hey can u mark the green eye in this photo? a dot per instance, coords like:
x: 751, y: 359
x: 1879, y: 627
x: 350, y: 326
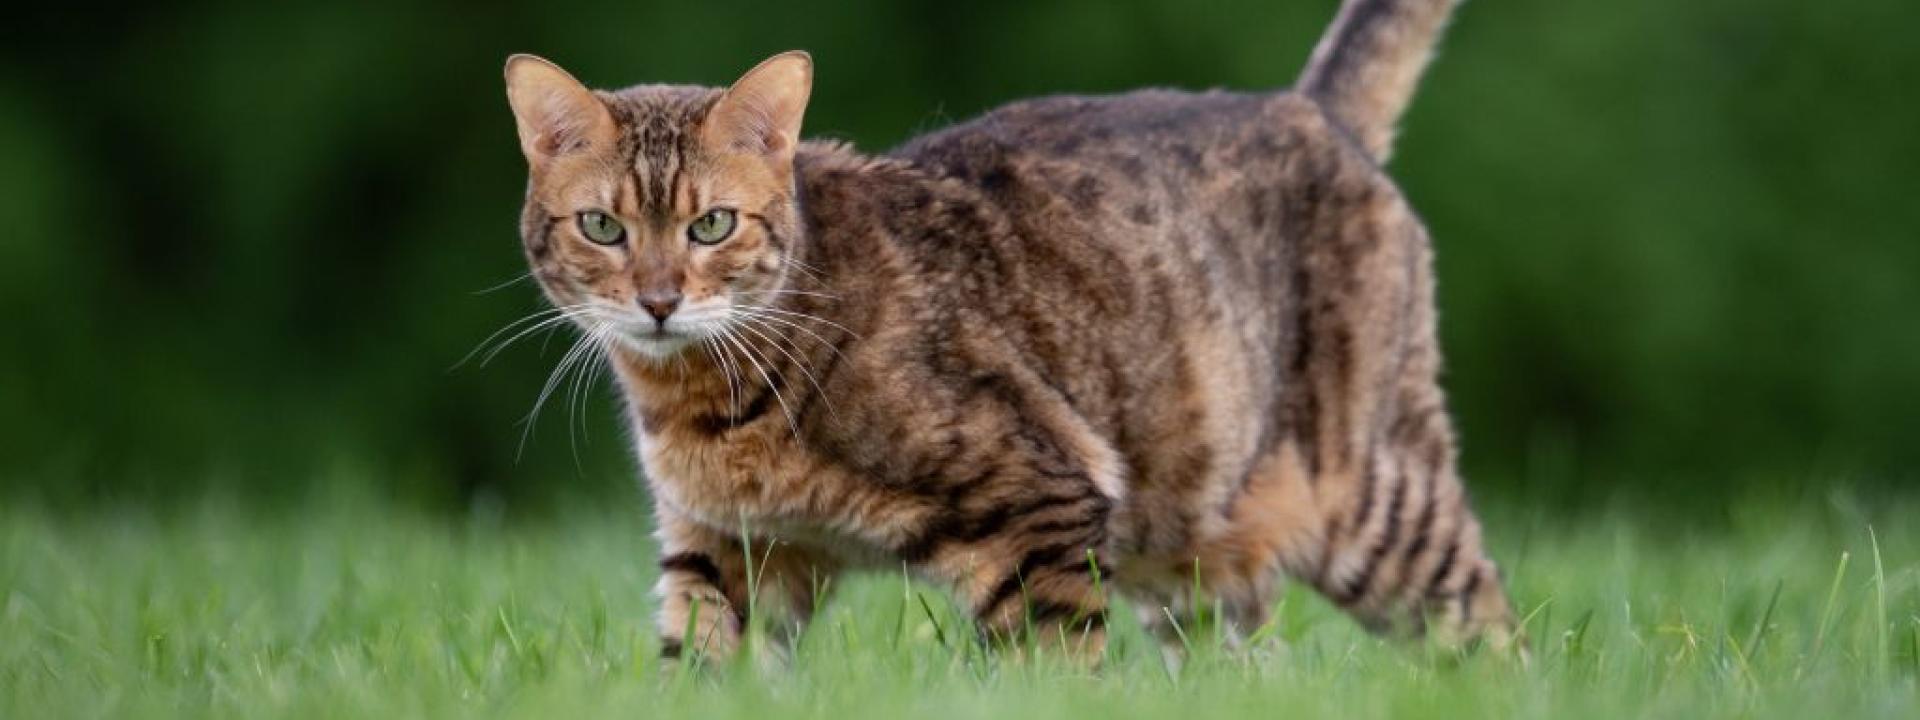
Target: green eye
x: 712, y: 227
x: 601, y: 228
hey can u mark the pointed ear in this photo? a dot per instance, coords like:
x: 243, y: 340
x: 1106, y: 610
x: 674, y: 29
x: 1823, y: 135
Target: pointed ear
x: 557, y: 115
x: 761, y: 113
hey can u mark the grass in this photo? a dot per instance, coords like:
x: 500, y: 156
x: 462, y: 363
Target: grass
x: 357, y: 609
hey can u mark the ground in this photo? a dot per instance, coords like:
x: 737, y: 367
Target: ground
x: 357, y: 608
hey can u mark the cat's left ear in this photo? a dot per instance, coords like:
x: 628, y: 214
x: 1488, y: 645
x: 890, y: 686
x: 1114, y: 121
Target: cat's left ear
x: 761, y: 113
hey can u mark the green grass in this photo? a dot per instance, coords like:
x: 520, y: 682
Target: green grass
x: 356, y: 609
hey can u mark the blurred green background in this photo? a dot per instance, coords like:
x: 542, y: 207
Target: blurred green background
x: 242, y: 247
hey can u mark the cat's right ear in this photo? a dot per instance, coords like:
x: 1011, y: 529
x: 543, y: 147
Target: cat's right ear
x: 556, y: 114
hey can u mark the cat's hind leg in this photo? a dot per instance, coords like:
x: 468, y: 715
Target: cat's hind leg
x: 1410, y: 558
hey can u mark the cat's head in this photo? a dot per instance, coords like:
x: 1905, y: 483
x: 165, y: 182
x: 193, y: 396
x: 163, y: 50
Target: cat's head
x: 656, y: 214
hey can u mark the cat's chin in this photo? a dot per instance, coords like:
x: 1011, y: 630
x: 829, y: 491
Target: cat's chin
x: 656, y: 348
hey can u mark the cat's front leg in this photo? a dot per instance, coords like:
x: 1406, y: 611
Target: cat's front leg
x: 712, y: 583
x: 702, y: 590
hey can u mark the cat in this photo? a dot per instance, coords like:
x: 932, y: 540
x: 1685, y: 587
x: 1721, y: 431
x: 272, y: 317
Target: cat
x: 1079, y: 346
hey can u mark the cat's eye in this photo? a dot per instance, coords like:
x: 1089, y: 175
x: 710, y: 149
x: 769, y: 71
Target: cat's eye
x: 712, y: 227
x: 601, y: 228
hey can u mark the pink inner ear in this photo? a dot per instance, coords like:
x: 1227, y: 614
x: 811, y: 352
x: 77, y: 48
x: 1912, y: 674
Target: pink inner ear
x: 757, y: 121
x: 555, y: 143
x: 561, y: 121
x: 750, y: 120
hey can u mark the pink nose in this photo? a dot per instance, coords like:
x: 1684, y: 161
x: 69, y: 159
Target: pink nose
x: 659, y: 305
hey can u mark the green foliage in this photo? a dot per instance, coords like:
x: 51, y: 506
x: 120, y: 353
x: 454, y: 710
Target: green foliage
x: 353, y: 608
x: 245, y: 241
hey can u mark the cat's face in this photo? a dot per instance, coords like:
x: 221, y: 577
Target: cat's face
x: 657, y: 215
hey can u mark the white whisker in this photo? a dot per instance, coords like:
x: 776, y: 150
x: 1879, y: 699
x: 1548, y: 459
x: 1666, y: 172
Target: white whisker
x: 538, y: 317
x: 585, y: 373
x: 572, y: 314
x: 747, y: 324
x: 707, y: 346
x: 791, y: 313
x: 753, y: 312
x: 729, y: 369
x: 789, y: 291
x: 553, y: 380
x: 809, y: 271
x: 771, y: 385
x: 505, y: 285
x: 817, y: 273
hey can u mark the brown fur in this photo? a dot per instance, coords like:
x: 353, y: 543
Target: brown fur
x: 1366, y: 67
x: 1165, y: 333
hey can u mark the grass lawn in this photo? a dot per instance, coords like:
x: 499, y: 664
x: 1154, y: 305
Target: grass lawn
x: 357, y: 609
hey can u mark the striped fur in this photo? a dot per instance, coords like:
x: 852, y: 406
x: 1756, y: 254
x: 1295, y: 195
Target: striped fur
x: 1075, y: 346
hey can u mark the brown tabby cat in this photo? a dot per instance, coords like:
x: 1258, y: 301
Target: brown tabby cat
x: 1077, y: 344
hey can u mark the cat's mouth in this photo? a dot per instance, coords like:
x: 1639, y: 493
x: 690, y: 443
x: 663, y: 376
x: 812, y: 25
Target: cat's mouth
x: 655, y: 334
x: 655, y: 342
x: 665, y: 337
x: 660, y: 340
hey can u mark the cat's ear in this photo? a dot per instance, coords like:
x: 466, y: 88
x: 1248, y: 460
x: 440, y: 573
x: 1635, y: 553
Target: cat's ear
x: 761, y: 113
x: 557, y: 115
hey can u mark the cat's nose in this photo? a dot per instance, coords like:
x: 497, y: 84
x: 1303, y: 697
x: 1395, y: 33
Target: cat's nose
x: 659, y: 305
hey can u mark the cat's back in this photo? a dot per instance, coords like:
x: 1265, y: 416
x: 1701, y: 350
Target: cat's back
x: 1225, y: 191
x: 1089, y: 126
x: 1182, y: 143
x: 1158, y: 166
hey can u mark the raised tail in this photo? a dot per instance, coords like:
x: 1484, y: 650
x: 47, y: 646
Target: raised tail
x: 1368, y: 63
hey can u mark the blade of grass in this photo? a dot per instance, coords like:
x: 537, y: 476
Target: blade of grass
x: 1883, y: 655
x: 1833, y: 596
x: 1179, y: 632
x: 1913, y: 648
x: 906, y: 600
x: 1271, y: 626
x: 1093, y: 565
x: 1099, y: 591
x: 699, y: 650
x: 1740, y: 661
x: 939, y: 633
x: 750, y: 635
x: 1766, y: 618
x: 1186, y: 648
x: 506, y: 626
x: 1526, y: 621
x: 1576, y: 637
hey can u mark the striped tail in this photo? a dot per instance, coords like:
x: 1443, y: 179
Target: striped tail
x: 1367, y: 64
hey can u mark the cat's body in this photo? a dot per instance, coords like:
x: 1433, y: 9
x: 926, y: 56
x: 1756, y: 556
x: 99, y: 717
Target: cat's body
x: 1076, y: 345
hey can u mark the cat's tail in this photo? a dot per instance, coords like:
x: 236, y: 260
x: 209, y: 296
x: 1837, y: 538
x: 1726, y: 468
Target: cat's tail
x: 1368, y: 63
